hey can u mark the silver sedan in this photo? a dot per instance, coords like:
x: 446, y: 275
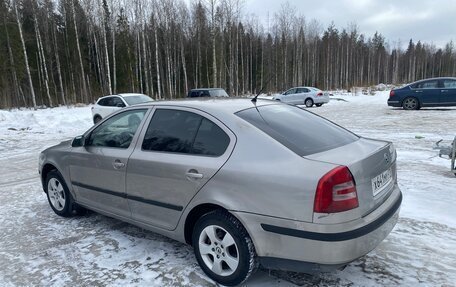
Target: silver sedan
x: 308, y: 96
x: 245, y: 183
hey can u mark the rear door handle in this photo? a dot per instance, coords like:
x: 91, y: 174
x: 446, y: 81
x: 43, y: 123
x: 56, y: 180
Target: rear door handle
x: 418, y: 91
x: 444, y: 91
x: 117, y: 164
x: 193, y: 173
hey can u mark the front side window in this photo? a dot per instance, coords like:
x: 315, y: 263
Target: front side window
x: 290, y: 92
x: 118, y: 131
x: 117, y: 102
x: 184, y: 132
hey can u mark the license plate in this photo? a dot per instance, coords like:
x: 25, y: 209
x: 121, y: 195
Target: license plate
x: 381, y: 180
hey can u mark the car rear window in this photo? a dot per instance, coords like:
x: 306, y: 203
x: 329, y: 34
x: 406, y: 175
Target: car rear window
x: 139, y: 99
x: 299, y: 130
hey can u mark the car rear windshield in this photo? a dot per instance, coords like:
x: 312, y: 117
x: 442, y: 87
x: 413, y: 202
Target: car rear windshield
x: 139, y: 99
x: 299, y: 130
x: 218, y: 93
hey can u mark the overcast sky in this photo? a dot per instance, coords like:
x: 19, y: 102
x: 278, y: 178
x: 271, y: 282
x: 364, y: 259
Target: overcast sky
x: 431, y: 21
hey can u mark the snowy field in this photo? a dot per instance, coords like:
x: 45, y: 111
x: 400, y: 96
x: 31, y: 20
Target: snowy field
x: 39, y: 248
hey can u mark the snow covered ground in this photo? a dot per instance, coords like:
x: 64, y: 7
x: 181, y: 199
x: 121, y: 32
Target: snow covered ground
x: 39, y: 248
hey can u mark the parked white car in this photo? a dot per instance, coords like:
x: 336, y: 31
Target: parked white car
x: 308, y: 96
x: 108, y: 104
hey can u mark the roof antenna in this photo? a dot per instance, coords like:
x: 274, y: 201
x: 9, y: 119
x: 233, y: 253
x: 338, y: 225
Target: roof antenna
x: 262, y: 88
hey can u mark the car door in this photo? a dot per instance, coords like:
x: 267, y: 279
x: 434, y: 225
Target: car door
x: 98, y: 168
x: 288, y: 96
x: 181, y: 150
x: 448, y: 92
x: 301, y: 95
x: 427, y: 92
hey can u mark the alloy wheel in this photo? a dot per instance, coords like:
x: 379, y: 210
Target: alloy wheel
x: 218, y: 250
x: 56, y: 194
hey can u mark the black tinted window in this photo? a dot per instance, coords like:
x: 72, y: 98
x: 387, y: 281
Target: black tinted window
x: 117, y: 131
x: 103, y: 102
x: 210, y: 139
x: 302, y: 90
x: 117, y: 102
x: 184, y: 132
x: 302, y: 132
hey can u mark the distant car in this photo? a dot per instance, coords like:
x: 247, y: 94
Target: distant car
x: 435, y: 92
x: 109, y: 104
x: 209, y: 92
x: 243, y: 182
x: 308, y: 96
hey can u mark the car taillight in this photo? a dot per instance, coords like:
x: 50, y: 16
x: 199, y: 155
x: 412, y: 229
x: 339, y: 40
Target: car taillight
x: 319, y: 94
x: 336, y: 192
x: 391, y: 93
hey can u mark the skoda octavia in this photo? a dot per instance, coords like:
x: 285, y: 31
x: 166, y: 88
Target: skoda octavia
x: 245, y: 183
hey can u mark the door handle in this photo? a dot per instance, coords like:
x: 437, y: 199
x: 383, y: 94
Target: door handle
x: 117, y: 164
x: 444, y: 91
x: 193, y: 173
x: 418, y: 91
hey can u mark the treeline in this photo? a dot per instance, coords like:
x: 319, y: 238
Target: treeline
x: 67, y: 51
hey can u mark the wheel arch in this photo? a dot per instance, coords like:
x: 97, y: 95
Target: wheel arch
x: 194, y: 215
x: 48, y: 167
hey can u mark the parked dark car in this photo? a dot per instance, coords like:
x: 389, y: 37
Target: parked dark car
x: 435, y: 92
x: 207, y: 92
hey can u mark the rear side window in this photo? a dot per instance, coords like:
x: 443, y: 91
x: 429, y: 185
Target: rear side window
x: 300, y: 131
x: 426, y: 85
x: 451, y: 84
x: 184, y: 132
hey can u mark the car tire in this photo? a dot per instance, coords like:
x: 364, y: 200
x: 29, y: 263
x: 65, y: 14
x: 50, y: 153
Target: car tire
x: 309, y: 102
x: 319, y: 105
x: 411, y: 103
x: 223, y: 248
x: 96, y: 119
x: 58, y: 195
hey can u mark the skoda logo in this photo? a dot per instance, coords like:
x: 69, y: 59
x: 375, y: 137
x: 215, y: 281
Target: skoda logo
x: 387, y: 158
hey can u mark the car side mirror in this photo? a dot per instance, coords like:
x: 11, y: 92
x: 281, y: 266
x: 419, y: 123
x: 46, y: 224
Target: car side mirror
x: 78, y: 141
x: 120, y: 105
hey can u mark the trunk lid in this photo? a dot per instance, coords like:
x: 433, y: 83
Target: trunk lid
x: 373, y: 166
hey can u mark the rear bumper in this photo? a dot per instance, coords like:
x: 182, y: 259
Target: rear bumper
x: 392, y: 103
x: 307, y: 247
x: 321, y: 100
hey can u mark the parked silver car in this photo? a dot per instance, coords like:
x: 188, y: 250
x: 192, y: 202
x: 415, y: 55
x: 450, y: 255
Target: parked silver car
x: 245, y: 183
x: 308, y: 96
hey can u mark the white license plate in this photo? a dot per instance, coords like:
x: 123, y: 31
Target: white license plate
x: 381, y: 180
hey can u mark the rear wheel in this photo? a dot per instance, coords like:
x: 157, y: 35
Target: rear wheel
x: 410, y: 103
x: 223, y: 248
x: 319, y: 105
x: 309, y: 102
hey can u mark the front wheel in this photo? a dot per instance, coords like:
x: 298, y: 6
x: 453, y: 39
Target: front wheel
x: 411, y: 103
x: 309, y: 103
x: 58, y: 194
x: 223, y: 248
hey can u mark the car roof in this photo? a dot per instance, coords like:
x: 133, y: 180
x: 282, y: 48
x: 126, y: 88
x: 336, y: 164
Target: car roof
x: 206, y: 89
x: 430, y: 79
x: 213, y: 105
x: 123, y: 95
